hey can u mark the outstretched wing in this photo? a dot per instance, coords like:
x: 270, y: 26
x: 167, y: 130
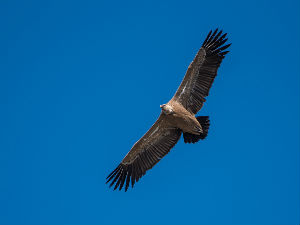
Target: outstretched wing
x: 202, y: 72
x: 145, y: 153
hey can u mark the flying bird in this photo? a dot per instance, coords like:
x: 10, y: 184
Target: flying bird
x: 177, y: 116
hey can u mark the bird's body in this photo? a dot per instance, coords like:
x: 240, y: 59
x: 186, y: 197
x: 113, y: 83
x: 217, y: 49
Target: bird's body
x: 183, y: 119
x: 177, y: 116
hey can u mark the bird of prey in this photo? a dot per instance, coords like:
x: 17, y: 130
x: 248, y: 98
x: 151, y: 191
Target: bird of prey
x: 177, y: 116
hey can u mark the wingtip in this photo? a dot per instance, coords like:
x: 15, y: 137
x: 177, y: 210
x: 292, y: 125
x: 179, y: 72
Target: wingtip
x: 215, y: 43
x: 120, y: 177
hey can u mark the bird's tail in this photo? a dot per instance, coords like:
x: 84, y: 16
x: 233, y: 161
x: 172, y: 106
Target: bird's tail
x: 193, y: 138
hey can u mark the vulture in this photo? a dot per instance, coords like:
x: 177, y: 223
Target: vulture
x: 177, y: 116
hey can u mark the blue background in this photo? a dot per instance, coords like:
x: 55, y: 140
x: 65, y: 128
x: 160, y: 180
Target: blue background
x: 81, y: 82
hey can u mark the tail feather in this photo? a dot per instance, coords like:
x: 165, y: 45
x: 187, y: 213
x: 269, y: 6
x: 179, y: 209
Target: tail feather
x: 204, y: 122
x: 193, y: 138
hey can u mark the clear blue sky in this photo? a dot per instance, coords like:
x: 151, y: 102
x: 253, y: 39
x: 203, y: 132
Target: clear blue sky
x: 81, y: 82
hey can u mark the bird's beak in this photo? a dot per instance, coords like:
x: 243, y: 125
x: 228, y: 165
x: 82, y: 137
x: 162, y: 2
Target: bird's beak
x: 161, y: 106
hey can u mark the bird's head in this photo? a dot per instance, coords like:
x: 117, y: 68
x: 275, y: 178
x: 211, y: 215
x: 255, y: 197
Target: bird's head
x: 167, y: 109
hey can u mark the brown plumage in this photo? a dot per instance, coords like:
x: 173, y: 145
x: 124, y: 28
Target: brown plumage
x: 177, y: 116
